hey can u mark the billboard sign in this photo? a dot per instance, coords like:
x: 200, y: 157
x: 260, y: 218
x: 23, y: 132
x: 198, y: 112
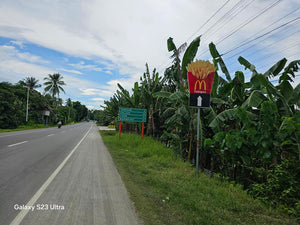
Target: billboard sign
x: 200, y: 90
x: 132, y: 115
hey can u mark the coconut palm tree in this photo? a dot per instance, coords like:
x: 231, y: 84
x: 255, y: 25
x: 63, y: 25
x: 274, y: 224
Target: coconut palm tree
x: 54, y: 84
x: 31, y: 83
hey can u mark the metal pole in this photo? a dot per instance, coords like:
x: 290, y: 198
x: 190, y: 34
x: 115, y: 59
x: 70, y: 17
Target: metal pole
x: 197, y: 149
x: 27, y: 104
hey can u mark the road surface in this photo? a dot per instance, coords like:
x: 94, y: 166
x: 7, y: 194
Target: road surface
x: 60, y: 176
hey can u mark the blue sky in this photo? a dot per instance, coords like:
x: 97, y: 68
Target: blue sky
x: 96, y: 44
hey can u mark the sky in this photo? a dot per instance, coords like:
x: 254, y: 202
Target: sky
x: 95, y: 44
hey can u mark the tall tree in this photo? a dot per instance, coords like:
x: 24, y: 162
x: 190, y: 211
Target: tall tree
x: 31, y: 83
x: 176, y: 58
x: 54, y: 84
x: 69, y: 104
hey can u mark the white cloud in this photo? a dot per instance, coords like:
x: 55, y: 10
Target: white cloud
x: 121, y: 36
x: 95, y: 92
x: 8, y: 51
x: 18, y: 43
x: 108, y: 72
x: 82, y: 66
x: 97, y: 99
x: 26, y: 56
x: 70, y: 71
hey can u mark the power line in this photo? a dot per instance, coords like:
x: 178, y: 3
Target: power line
x: 209, y: 19
x: 266, y: 46
x: 254, y: 39
x: 265, y: 57
x: 298, y: 43
x: 224, y: 19
x: 264, y: 66
x: 200, y: 28
x: 275, y: 42
x: 237, y: 28
x: 251, y: 20
x: 288, y: 14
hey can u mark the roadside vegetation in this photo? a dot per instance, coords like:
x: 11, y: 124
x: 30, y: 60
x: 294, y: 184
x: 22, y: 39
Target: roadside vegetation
x: 22, y: 106
x: 165, y: 190
x: 250, y: 135
x: 25, y: 127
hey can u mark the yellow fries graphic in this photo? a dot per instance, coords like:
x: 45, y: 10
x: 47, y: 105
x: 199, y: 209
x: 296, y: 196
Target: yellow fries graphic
x: 201, y: 69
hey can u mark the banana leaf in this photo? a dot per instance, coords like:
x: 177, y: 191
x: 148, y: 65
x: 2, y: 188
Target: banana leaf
x: 189, y: 55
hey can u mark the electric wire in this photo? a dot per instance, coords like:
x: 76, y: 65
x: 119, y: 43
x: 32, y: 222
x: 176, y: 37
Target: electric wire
x: 207, y: 30
x: 231, y: 14
x: 166, y: 65
x: 208, y: 19
x: 224, y: 20
x: 265, y: 66
x: 254, y: 39
x: 261, y: 49
x: 249, y: 38
x: 243, y: 24
x: 249, y: 21
x: 265, y: 46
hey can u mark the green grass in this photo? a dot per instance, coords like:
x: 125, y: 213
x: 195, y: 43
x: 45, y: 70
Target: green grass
x: 165, y: 190
x: 27, y: 127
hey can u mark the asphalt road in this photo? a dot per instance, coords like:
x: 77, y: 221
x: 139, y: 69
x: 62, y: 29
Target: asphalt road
x: 60, y: 176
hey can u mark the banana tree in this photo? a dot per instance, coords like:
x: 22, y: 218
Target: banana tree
x: 178, y: 118
x: 149, y: 85
x: 283, y: 94
x: 188, y: 57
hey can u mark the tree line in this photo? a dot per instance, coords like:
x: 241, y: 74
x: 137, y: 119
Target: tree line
x: 249, y: 135
x: 22, y: 104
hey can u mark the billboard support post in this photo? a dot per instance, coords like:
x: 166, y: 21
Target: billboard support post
x: 197, y: 147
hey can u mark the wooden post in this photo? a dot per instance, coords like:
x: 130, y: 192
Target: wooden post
x: 120, y: 128
x: 143, y: 125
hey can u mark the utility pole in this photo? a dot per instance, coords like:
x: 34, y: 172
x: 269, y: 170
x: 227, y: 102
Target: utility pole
x: 27, y: 104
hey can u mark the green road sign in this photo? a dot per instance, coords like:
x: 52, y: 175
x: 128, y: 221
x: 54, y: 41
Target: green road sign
x: 132, y: 115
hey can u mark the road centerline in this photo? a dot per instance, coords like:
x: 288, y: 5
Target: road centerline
x: 19, y: 143
x: 18, y: 219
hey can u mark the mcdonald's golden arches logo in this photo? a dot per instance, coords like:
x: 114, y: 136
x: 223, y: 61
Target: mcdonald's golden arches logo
x: 200, y: 84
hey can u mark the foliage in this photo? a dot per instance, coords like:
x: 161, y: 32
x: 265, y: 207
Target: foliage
x: 13, y: 98
x: 165, y: 190
x: 11, y: 107
x: 282, y: 188
x: 251, y: 127
x: 54, y: 84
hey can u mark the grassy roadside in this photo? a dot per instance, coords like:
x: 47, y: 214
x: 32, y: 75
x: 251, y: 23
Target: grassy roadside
x: 165, y: 190
x: 27, y: 127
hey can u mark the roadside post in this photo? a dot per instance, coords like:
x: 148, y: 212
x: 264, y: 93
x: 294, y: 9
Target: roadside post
x: 200, y: 80
x: 132, y: 115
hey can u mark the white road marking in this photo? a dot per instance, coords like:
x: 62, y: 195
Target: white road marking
x: 18, y: 219
x: 19, y: 143
x: 50, y: 135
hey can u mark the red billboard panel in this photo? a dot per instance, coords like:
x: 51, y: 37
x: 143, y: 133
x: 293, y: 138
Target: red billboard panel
x: 200, y: 86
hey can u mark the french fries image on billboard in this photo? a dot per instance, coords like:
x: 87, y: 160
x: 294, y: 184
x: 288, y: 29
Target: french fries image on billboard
x: 201, y: 69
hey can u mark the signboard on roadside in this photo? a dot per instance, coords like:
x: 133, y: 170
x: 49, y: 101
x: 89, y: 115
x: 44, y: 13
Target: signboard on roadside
x: 200, y: 90
x: 200, y: 78
x: 132, y: 115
